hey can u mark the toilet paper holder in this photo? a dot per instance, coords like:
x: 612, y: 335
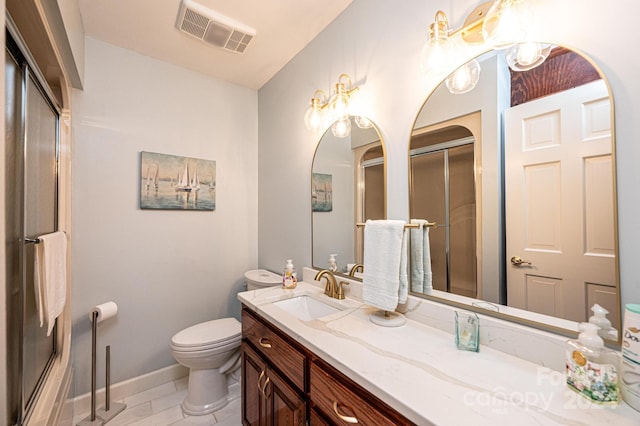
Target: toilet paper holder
x: 103, y: 415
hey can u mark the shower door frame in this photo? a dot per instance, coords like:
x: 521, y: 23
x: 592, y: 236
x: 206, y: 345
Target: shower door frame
x: 29, y: 73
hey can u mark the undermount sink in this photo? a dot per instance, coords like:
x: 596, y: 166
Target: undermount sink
x: 306, y: 308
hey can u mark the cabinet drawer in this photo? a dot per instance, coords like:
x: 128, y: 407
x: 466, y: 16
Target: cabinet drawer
x: 342, y: 406
x: 283, y: 356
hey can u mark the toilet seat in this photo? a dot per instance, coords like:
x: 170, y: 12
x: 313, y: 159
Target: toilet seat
x: 208, y: 335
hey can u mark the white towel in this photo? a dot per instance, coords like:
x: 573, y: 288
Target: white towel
x: 383, y: 246
x: 403, y: 291
x: 417, y: 268
x: 50, y: 277
x: 421, y: 275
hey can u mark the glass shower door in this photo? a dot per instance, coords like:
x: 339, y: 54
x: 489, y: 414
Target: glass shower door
x: 31, y: 148
x: 443, y: 191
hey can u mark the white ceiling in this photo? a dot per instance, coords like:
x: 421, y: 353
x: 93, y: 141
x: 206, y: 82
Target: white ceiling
x: 283, y: 28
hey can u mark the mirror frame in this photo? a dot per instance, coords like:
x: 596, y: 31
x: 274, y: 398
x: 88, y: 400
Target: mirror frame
x: 535, y: 320
x: 358, y: 196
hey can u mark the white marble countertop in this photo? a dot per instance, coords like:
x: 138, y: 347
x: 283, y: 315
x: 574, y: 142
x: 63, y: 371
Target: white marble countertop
x: 418, y: 370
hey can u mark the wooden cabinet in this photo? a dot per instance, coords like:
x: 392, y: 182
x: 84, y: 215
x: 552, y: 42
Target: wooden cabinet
x: 284, y: 383
x: 343, y: 402
x: 253, y: 371
x: 267, y: 398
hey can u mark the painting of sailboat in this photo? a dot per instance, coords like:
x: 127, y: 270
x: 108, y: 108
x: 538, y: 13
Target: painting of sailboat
x: 321, y: 192
x: 171, y: 182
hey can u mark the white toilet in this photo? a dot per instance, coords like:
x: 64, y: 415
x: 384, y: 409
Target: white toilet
x: 211, y: 351
x: 261, y: 278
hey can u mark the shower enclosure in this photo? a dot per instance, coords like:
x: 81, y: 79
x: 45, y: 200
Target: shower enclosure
x: 443, y: 191
x: 31, y: 200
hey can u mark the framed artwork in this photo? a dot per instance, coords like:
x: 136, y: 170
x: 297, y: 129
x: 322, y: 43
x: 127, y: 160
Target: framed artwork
x: 321, y: 193
x: 171, y: 182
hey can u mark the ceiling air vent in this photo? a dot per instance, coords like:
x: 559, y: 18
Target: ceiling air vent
x: 213, y: 28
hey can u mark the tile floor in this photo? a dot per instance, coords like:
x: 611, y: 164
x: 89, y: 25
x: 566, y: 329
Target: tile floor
x: 160, y: 406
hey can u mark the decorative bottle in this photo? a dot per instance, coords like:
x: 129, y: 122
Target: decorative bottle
x: 592, y: 369
x: 289, y: 280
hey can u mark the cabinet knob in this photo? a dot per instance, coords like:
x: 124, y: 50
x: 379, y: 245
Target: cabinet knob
x: 347, y: 419
x: 264, y: 342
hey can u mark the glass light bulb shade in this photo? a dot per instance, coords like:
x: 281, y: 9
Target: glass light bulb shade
x: 341, y: 128
x: 339, y: 106
x: 363, y: 122
x: 464, y: 79
x: 526, y: 56
x: 314, y: 119
x: 436, y: 57
x: 507, y: 22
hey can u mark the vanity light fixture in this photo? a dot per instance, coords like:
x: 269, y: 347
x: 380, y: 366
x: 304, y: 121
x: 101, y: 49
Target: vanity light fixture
x: 436, y: 54
x: 336, y: 110
x: 501, y: 24
x: 363, y: 122
x: 315, y: 116
x: 507, y: 22
x: 464, y: 79
x: 527, y: 55
x: 341, y: 128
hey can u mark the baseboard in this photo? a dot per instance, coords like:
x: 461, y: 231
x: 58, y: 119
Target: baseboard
x: 121, y: 390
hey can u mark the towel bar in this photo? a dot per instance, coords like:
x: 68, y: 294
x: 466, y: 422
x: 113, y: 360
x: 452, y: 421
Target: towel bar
x: 32, y: 240
x: 407, y: 225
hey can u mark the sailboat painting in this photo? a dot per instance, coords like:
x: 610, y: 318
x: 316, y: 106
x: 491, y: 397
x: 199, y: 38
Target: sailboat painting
x: 321, y: 193
x: 171, y: 182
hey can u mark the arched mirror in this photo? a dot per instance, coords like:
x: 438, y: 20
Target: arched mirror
x: 519, y: 174
x: 347, y: 187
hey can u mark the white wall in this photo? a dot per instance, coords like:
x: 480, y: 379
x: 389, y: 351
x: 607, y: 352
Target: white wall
x: 166, y: 270
x: 378, y: 43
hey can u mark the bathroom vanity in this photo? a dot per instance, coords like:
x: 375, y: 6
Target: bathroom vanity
x: 312, y: 385
x: 317, y: 358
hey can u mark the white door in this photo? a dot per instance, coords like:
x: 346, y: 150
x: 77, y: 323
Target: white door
x: 559, y: 200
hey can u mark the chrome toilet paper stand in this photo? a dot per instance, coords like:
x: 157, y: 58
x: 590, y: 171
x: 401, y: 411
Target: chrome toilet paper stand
x: 110, y: 410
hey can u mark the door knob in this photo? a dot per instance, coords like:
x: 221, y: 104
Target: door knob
x: 517, y: 261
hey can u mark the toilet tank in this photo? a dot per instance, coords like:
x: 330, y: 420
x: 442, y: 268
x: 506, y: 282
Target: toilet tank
x: 261, y: 278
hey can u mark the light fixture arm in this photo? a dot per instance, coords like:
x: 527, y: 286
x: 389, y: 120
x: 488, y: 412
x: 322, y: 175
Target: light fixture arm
x: 319, y: 99
x: 342, y: 89
x: 471, y: 31
x: 439, y: 28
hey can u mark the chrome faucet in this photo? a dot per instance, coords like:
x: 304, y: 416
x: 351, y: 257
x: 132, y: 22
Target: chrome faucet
x: 354, y: 269
x: 332, y: 288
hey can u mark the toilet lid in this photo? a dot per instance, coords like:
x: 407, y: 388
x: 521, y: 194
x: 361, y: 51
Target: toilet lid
x: 211, y: 333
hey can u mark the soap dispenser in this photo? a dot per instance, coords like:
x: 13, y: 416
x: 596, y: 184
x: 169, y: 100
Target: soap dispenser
x: 592, y: 369
x: 289, y: 280
x: 333, y: 265
x: 600, y: 319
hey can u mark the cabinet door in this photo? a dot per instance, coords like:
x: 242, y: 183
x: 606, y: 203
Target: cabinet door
x: 253, y: 378
x: 285, y: 407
